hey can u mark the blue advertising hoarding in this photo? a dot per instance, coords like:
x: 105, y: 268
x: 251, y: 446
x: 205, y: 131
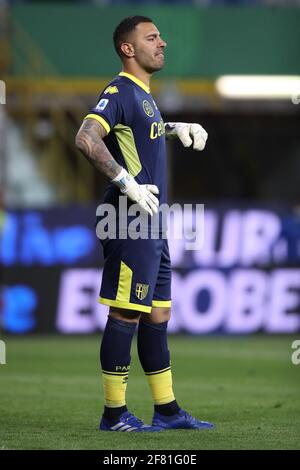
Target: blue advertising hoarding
x: 241, y: 276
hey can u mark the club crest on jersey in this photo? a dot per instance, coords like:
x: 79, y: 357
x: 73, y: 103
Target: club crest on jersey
x: 101, y: 105
x: 141, y: 291
x: 148, y: 108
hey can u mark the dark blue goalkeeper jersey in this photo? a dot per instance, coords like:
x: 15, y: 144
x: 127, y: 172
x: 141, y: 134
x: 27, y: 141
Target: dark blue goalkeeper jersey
x: 135, y: 133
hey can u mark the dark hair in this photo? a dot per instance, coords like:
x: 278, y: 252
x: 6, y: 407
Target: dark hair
x: 125, y: 27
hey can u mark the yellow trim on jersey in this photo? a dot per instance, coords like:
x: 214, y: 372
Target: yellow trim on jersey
x: 127, y: 146
x: 127, y: 305
x: 161, y: 303
x: 136, y: 80
x: 124, y: 284
x: 99, y: 119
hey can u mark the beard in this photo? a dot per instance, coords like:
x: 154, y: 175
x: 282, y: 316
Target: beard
x: 151, y: 65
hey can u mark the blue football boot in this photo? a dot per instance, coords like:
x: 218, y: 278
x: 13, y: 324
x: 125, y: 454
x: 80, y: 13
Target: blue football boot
x: 181, y: 420
x: 127, y: 423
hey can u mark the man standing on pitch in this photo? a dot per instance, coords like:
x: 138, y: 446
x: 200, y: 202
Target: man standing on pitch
x: 124, y: 137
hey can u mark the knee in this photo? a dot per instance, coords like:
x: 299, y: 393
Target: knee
x: 157, y: 315
x: 166, y: 314
x: 125, y: 315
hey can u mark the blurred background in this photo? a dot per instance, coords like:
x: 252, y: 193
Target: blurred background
x: 231, y: 65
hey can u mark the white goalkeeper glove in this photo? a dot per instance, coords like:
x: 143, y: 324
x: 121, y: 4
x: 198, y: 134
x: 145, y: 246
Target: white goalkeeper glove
x: 188, y: 134
x: 142, y: 194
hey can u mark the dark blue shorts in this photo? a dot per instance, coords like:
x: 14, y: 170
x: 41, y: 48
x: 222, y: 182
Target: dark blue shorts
x: 137, y: 274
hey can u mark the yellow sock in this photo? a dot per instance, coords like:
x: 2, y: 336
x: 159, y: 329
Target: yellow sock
x: 161, y: 386
x: 114, y: 386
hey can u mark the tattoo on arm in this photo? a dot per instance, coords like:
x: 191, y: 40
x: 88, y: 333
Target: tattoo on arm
x: 89, y: 141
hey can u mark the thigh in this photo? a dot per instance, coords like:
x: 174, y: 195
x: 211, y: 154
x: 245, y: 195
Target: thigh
x: 130, y: 273
x: 162, y: 291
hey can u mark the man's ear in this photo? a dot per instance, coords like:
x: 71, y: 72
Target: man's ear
x: 127, y: 49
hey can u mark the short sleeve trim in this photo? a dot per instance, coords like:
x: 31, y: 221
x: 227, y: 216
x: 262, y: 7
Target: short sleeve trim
x: 99, y: 119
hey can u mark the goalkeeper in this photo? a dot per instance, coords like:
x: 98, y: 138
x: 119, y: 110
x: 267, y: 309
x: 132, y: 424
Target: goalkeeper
x: 123, y: 136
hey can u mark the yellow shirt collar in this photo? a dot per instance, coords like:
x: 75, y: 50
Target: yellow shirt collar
x: 135, y: 80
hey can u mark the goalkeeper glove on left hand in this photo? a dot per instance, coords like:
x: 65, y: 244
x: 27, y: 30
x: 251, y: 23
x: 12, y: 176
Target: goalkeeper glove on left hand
x: 188, y: 134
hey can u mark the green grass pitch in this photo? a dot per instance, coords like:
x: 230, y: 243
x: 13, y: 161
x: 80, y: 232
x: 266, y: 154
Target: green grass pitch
x: 51, y: 394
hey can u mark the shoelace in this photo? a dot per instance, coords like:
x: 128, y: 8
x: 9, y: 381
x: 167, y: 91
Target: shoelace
x: 196, y: 421
x: 190, y: 418
x: 133, y: 421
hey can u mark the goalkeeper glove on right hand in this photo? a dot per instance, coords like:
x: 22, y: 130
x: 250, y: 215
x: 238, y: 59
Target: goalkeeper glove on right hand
x: 142, y: 194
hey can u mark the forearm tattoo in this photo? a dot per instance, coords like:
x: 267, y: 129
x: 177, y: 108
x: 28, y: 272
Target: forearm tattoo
x: 89, y: 141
